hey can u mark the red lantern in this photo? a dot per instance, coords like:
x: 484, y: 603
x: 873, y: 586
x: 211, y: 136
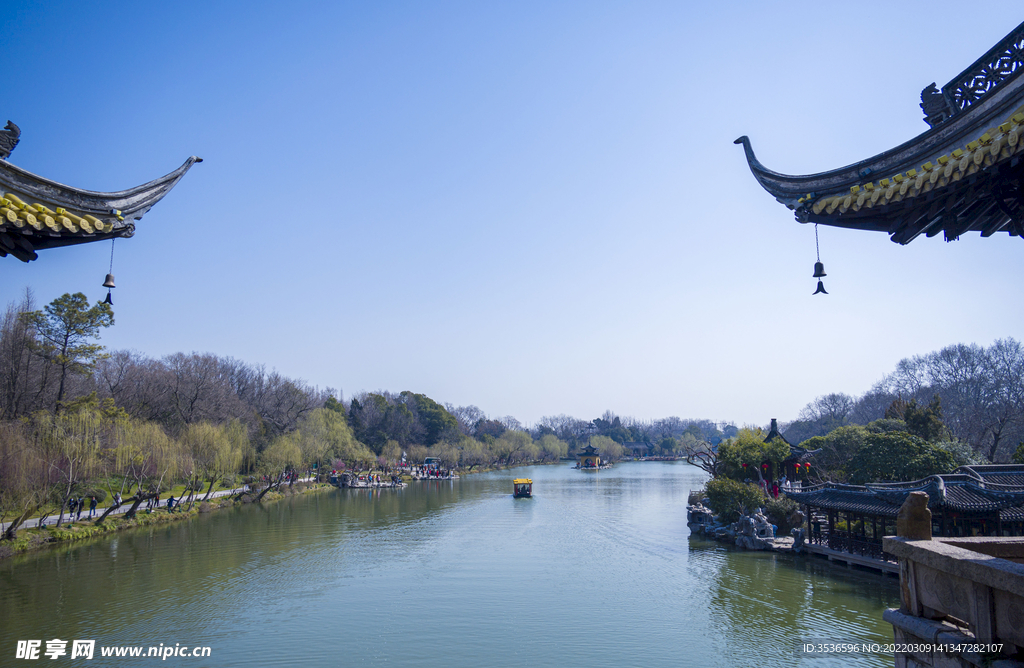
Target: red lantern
x: 764, y: 466
x: 744, y: 466
x: 807, y: 466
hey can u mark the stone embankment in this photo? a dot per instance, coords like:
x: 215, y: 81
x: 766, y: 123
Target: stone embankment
x: 49, y: 520
x: 750, y: 532
x: 34, y: 535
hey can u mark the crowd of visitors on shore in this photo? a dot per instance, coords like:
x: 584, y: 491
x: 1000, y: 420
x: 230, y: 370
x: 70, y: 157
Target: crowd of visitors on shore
x: 432, y: 473
x: 772, y: 488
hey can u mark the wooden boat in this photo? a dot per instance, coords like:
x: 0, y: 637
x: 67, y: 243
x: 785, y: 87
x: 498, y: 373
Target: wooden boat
x: 522, y: 488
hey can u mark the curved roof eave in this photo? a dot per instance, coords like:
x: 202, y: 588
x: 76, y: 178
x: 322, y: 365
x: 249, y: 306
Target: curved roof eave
x: 942, y: 139
x: 78, y: 216
x: 132, y: 203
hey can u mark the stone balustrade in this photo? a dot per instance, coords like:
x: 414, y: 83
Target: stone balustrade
x: 961, y: 602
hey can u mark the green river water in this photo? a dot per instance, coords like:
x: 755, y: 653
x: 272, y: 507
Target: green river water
x: 595, y: 570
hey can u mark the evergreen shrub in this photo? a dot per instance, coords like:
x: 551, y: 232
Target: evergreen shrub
x: 729, y: 498
x: 779, y: 512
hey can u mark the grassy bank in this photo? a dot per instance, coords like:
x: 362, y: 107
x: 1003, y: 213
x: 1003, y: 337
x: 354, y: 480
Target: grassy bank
x: 49, y: 536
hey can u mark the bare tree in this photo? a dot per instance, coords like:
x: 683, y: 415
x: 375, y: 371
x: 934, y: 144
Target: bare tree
x: 980, y: 390
x: 670, y: 426
x: 700, y: 453
x: 1004, y: 398
x: 511, y: 423
x: 467, y: 417
x: 139, y: 385
x: 19, y: 369
x: 872, y: 405
x: 200, y: 389
x: 830, y: 410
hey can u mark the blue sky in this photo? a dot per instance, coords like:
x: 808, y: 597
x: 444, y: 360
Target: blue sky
x: 534, y: 207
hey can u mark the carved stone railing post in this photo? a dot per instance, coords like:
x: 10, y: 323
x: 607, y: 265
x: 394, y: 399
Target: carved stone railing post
x: 914, y: 520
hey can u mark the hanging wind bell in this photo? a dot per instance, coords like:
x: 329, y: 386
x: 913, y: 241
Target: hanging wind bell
x: 108, y: 283
x: 819, y: 268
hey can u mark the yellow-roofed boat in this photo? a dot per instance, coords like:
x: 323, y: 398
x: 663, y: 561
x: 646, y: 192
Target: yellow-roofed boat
x: 522, y: 488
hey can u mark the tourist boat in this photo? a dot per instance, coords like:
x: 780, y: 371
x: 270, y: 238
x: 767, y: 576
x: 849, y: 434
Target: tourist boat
x: 522, y: 488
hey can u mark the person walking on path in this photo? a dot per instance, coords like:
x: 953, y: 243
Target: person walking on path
x: 81, y: 507
x: 92, y: 506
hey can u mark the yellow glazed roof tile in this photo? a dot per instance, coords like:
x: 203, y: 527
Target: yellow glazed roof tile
x: 994, y: 145
x: 19, y: 214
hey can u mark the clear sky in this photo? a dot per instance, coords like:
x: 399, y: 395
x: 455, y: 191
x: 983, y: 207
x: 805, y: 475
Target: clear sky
x: 534, y: 207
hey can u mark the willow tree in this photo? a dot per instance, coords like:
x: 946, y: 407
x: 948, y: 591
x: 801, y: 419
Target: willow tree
x: 552, y: 447
x: 276, y: 459
x: 514, y: 446
x: 610, y: 450
x: 211, y: 452
x: 324, y: 434
x: 391, y: 453
x: 24, y: 487
x: 147, y: 457
x: 70, y: 445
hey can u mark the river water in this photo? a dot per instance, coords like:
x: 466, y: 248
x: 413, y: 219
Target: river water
x: 597, y: 569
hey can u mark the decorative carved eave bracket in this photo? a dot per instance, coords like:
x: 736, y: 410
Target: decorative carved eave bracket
x: 999, y: 65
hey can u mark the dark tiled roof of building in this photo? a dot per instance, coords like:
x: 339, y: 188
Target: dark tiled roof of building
x: 845, y: 498
x: 999, y: 474
x: 1015, y: 514
x: 969, y: 490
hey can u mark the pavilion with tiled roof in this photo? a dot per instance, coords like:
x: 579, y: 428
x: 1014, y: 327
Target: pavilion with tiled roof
x: 795, y: 466
x: 971, y: 501
x: 37, y: 213
x: 963, y: 174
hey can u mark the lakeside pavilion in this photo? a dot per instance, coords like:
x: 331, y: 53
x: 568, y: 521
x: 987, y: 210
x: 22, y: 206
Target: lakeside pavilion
x: 795, y: 466
x: 588, y: 457
x: 37, y: 213
x: 963, y: 174
x: 972, y: 501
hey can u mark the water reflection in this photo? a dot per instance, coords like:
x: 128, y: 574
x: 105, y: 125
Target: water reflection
x: 596, y: 569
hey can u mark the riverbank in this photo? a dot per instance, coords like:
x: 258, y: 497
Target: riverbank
x: 460, y: 565
x: 48, y: 535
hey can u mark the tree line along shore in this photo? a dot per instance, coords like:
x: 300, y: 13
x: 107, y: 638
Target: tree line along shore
x: 78, y: 420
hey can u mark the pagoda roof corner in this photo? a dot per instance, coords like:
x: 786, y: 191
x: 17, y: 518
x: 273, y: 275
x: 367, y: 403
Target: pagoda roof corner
x: 962, y: 174
x: 37, y: 213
